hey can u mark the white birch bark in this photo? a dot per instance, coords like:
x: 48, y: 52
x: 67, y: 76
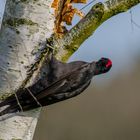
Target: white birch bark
x: 25, y: 27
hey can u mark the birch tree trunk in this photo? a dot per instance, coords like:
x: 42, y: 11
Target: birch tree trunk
x: 25, y: 27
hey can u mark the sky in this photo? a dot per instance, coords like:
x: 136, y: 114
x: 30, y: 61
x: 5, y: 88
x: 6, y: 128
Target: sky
x: 2, y: 4
x: 117, y: 39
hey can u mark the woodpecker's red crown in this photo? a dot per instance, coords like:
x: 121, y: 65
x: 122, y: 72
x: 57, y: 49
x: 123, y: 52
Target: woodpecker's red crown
x: 103, y: 65
x: 108, y: 62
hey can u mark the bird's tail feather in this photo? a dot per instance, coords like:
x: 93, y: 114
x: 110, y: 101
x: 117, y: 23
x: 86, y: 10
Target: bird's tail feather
x: 8, y: 101
x: 3, y: 103
x: 9, y: 109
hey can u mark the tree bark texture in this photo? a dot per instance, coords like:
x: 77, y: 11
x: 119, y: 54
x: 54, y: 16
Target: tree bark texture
x: 25, y: 27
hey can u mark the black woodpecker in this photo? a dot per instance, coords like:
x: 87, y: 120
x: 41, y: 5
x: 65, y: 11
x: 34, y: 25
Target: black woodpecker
x: 64, y: 81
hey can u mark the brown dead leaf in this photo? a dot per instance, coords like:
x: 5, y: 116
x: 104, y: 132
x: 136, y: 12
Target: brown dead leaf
x: 66, y: 14
x: 55, y: 4
x: 79, y: 13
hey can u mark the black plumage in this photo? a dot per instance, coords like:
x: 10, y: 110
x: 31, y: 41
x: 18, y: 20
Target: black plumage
x: 63, y: 81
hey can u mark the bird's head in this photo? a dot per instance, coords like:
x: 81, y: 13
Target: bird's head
x: 103, y: 66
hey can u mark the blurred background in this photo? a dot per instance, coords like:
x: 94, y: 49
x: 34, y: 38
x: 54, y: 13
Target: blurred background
x: 110, y: 108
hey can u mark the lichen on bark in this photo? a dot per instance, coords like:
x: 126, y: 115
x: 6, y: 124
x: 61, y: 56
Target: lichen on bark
x: 22, y: 38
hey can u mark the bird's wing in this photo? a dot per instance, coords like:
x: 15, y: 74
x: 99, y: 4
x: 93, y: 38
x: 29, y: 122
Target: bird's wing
x: 61, y: 83
x: 66, y: 95
x: 57, y: 97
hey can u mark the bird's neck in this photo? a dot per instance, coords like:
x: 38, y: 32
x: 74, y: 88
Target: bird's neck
x: 98, y: 69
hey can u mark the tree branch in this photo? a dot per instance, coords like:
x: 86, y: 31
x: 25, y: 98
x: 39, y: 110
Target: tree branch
x: 98, y: 14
